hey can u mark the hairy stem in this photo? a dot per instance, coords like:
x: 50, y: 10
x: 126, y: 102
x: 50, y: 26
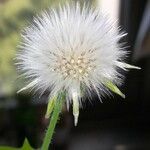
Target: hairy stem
x: 53, y: 121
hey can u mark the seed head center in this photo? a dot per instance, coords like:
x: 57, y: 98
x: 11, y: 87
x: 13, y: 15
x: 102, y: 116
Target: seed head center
x: 77, y: 67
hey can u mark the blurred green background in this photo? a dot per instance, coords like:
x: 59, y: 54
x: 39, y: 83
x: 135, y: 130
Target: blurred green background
x: 14, y: 16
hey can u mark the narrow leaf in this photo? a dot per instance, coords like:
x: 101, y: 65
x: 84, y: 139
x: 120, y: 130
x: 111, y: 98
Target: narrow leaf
x: 75, y: 107
x: 8, y: 148
x: 26, y: 145
x: 50, y: 107
x: 114, y: 88
x: 33, y: 83
x: 126, y: 66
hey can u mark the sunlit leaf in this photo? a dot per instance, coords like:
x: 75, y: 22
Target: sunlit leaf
x: 26, y: 146
x: 50, y: 106
x: 126, y: 66
x: 75, y: 107
x: 114, y: 88
x: 8, y: 148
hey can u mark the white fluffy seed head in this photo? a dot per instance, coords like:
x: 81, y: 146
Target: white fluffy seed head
x: 71, y: 49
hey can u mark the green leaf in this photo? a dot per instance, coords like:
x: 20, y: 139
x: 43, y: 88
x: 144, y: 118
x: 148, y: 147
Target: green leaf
x: 50, y: 107
x: 8, y: 148
x: 26, y: 146
x: 53, y: 120
x: 114, y: 88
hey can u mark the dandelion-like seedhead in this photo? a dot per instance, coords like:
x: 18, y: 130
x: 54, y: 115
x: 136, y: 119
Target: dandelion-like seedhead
x: 72, y: 49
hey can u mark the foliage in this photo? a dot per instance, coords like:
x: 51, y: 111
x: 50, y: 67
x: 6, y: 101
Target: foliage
x: 26, y: 146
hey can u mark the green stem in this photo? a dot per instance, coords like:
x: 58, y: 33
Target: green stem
x: 53, y: 121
